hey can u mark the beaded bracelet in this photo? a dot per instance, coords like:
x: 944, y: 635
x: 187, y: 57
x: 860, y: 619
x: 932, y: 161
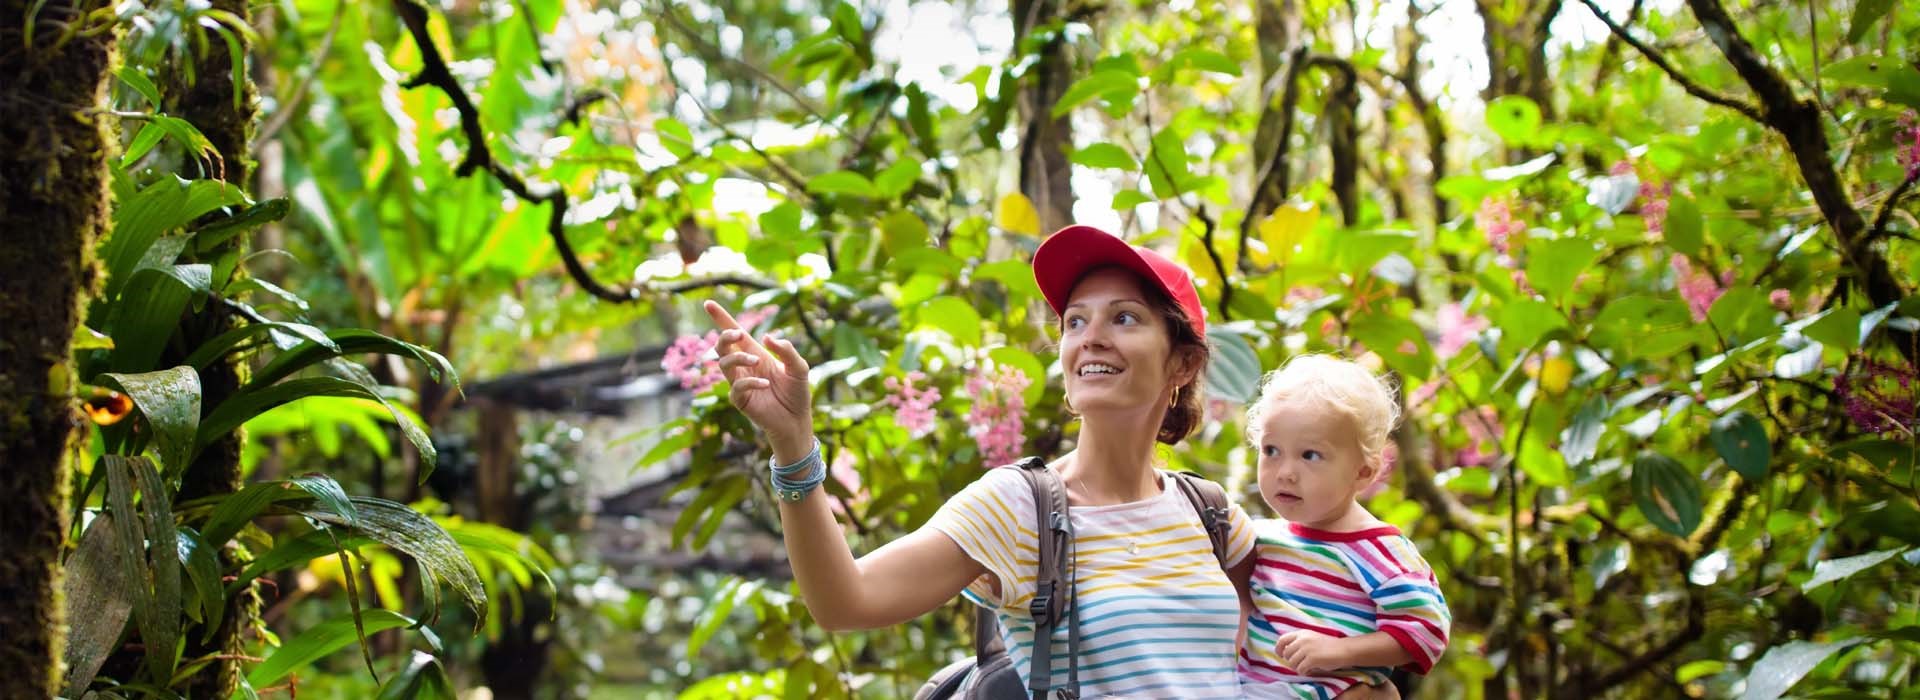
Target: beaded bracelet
x: 793, y: 482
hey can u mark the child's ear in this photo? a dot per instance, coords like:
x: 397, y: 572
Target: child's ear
x: 1368, y: 471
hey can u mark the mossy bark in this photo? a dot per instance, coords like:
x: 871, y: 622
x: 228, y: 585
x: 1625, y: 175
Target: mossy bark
x: 209, y: 103
x: 54, y: 201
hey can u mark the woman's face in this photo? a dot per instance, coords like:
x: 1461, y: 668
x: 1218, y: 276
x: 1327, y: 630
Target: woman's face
x: 1114, y: 347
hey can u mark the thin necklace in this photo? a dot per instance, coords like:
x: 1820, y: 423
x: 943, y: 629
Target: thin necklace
x: 1133, y: 545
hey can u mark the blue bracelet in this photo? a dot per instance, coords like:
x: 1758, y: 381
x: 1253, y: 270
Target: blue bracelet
x: 793, y: 482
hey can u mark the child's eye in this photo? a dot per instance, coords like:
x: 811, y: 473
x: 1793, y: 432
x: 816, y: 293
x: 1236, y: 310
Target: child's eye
x: 1269, y: 451
x: 1312, y: 455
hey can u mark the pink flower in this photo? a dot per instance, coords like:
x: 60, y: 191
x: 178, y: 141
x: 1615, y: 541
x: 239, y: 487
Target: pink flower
x: 1781, y: 299
x: 1483, y: 435
x: 912, y: 408
x: 1699, y: 289
x: 1456, y: 329
x: 691, y: 358
x: 846, y: 471
x: 1425, y: 393
x: 1520, y: 283
x: 1495, y: 219
x: 999, y: 412
x: 1906, y: 144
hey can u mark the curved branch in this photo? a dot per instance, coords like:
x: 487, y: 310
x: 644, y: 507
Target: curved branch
x: 434, y: 72
x: 1686, y: 83
x: 1886, y: 208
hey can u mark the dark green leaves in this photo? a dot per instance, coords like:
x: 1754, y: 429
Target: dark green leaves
x: 250, y: 402
x: 423, y: 679
x: 161, y: 207
x: 321, y: 640
x: 1740, y: 439
x: 1667, y: 494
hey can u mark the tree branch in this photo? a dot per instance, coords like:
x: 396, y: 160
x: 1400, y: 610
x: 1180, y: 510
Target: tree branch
x: 1686, y: 83
x: 725, y: 281
x: 1886, y: 208
x: 1799, y: 122
x: 434, y: 72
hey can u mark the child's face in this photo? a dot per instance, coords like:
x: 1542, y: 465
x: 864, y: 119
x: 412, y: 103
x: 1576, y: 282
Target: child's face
x: 1311, y: 464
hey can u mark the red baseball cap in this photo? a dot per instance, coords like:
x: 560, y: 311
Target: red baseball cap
x: 1070, y: 253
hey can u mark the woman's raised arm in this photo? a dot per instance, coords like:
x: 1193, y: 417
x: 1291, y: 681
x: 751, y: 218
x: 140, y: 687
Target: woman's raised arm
x: 895, y: 583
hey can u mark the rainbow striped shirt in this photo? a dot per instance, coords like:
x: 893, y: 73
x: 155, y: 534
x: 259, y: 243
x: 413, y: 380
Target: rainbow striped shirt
x: 1341, y: 584
x: 1157, y: 614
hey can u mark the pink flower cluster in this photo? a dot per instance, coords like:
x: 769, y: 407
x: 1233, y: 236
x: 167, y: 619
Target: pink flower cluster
x: 1456, y: 329
x: 1495, y: 218
x: 997, y: 419
x: 912, y: 407
x: 1906, y: 144
x: 1653, y: 198
x: 1698, y: 288
x: 691, y: 358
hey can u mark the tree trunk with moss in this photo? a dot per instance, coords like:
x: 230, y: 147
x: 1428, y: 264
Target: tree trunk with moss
x: 1044, y: 138
x: 54, y: 200
x: 209, y: 103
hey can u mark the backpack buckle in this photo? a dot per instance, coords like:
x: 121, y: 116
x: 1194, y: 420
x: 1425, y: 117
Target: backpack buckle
x: 1041, y: 607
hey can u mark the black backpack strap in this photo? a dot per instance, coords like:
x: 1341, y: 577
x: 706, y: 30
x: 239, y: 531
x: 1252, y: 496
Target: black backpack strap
x: 1051, y: 587
x: 986, y: 635
x: 1210, y: 501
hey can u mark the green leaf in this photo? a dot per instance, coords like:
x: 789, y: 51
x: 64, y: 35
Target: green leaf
x: 1869, y: 70
x: 441, y: 559
x: 290, y: 552
x: 1833, y: 570
x: 1524, y: 322
x: 1684, y: 226
x: 328, y: 492
x: 1742, y: 441
x: 1017, y: 275
x: 953, y: 315
x: 220, y: 345
x: 1639, y: 326
x: 422, y: 679
x: 1128, y: 199
x: 146, y: 317
x: 718, y: 609
x: 1865, y: 14
x: 170, y: 401
x: 1398, y: 341
x: 352, y: 341
x: 1554, y: 265
x: 902, y: 231
x: 1667, y: 494
x: 1166, y: 165
x: 898, y: 178
x: 149, y: 136
x: 150, y: 552
x: 85, y: 338
x: 1581, y: 439
x: 1783, y: 666
x: 252, y: 401
x: 674, y: 136
x: 1112, y: 83
x: 231, y: 512
x: 1234, y: 371
x: 1026, y: 362
x: 1516, y: 119
x: 845, y: 182
x: 1204, y: 59
x: 1838, y: 328
x: 220, y: 230
x: 140, y: 83
x: 1104, y: 155
x: 320, y: 641
x: 209, y: 602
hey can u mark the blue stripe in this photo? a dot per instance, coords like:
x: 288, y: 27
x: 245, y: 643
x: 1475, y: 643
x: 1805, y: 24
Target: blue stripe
x: 1405, y: 588
x: 1310, y: 603
x: 1095, y: 603
x: 1192, y: 626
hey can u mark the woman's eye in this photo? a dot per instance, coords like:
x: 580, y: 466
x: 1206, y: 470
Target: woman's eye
x: 1126, y: 318
x: 1312, y: 455
x: 1075, y: 322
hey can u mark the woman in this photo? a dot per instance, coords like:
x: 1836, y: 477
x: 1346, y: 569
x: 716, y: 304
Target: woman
x: 1158, y: 616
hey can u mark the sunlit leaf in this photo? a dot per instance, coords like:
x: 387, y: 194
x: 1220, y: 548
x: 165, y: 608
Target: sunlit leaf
x: 1016, y: 213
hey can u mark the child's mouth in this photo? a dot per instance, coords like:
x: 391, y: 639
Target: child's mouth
x: 1285, y: 497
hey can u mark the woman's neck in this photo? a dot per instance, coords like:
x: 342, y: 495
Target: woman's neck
x: 1113, y: 462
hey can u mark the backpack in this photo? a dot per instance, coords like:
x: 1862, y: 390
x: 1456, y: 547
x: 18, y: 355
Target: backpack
x: 989, y: 674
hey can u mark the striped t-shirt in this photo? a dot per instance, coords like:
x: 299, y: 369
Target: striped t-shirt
x: 1341, y: 584
x: 1157, y: 615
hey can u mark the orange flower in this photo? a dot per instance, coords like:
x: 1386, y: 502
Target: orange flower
x: 108, y: 407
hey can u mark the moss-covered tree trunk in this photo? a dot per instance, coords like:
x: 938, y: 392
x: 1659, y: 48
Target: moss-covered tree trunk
x: 1044, y: 138
x: 209, y: 103
x: 54, y: 202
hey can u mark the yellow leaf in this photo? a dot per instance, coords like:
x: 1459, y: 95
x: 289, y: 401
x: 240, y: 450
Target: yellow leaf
x: 1555, y: 374
x: 1016, y: 214
x: 1283, y: 231
x: 1193, y: 254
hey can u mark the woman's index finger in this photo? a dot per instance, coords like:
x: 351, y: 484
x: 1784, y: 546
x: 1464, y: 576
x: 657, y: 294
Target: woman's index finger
x: 724, y: 321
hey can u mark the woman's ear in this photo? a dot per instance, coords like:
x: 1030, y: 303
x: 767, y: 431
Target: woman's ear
x: 1185, y: 366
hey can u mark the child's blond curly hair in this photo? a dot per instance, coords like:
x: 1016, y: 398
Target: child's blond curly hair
x: 1338, y: 385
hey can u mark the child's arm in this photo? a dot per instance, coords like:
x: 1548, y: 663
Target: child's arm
x: 1312, y: 653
